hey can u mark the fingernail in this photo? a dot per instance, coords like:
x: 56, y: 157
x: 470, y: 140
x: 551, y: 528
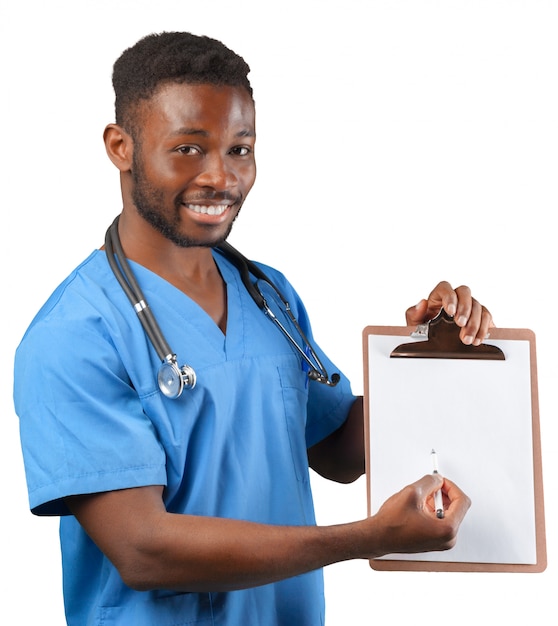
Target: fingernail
x: 462, y: 320
x: 450, y: 309
x: 468, y: 340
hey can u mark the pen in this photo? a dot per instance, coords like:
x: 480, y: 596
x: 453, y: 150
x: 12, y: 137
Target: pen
x: 438, y: 502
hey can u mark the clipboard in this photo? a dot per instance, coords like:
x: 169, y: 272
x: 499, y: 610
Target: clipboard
x: 477, y: 406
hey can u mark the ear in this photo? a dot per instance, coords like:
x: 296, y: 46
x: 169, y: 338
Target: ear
x: 119, y: 146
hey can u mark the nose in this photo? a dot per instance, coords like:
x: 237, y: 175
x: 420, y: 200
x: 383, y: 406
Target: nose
x: 217, y: 173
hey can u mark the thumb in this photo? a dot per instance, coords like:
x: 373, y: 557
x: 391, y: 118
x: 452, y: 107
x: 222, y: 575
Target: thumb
x: 417, y: 314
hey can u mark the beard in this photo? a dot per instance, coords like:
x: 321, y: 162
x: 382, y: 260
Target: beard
x: 150, y: 204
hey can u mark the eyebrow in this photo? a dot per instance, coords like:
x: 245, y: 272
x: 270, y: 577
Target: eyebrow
x: 190, y: 131
x: 204, y: 133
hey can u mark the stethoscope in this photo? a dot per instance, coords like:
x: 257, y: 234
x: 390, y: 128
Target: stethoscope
x: 172, y: 378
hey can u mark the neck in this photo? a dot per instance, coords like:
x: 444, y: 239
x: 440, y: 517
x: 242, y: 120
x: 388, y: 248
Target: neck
x: 147, y: 246
x: 192, y: 270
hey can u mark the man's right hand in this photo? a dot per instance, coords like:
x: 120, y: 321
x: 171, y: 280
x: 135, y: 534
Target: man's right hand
x: 407, y: 521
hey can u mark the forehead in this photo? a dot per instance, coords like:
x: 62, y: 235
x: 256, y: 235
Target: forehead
x: 202, y: 108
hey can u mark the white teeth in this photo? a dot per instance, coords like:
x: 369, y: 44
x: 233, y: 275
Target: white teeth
x: 208, y: 210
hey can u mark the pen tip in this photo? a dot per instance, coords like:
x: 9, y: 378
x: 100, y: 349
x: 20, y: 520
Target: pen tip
x: 433, y: 451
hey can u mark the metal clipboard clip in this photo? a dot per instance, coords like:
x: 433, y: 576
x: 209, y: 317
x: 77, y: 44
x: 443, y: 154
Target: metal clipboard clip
x: 443, y: 342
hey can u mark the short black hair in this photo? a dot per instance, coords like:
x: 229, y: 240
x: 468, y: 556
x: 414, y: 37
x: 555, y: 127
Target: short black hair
x: 168, y: 57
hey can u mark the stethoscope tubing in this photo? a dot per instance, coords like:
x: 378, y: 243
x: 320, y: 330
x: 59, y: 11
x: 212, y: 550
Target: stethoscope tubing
x: 185, y: 376
x: 246, y: 267
x: 124, y: 275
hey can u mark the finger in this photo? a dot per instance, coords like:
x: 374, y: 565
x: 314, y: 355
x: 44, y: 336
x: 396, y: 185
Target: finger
x: 477, y: 326
x: 464, y: 305
x: 470, y: 326
x: 486, y: 324
x: 458, y: 501
x: 442, y: 295
x: 427, y: 486
x: 433, y: 485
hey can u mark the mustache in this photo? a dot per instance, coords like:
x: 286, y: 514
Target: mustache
x: 213, y: 196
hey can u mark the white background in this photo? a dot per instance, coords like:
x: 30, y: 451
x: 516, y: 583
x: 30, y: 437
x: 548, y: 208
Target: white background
x: 399, y: 143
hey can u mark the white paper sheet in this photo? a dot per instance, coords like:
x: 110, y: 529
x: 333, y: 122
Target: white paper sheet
x: 477, y: 416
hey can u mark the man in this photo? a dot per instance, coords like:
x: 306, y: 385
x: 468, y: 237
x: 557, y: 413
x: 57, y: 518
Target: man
x: 197, y: 509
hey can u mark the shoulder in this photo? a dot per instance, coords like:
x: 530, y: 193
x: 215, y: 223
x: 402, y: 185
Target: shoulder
x: 79, y: 290
x: 81, y: 307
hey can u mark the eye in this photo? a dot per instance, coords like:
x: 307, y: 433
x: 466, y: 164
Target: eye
x: 188, y: 150
x: 241, y: 151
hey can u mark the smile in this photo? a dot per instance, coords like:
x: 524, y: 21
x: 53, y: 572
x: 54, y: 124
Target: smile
x: 218, y: 209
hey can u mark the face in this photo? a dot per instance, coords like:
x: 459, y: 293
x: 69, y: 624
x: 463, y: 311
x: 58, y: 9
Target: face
x: 194, y: 164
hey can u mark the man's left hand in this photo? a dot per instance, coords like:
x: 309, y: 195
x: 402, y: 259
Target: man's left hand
x: 473, y: 318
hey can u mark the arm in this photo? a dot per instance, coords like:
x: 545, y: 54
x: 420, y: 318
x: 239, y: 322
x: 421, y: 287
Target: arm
x: 152, y: 548
x: 340, y: 456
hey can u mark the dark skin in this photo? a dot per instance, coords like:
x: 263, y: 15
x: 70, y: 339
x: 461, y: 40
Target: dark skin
x: 195, y: 169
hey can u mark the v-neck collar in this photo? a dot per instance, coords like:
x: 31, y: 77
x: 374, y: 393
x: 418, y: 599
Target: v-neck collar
x: 231, y: 343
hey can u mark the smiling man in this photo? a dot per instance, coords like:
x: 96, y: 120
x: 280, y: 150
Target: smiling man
x: 198, y: 509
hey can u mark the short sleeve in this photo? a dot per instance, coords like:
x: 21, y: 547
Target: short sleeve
x: 82, y: 425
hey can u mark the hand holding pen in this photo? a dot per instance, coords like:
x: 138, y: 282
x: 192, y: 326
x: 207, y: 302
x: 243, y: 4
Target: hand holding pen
x: 407, y: 522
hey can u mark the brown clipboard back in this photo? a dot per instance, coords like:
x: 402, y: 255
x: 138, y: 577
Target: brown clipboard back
x: 416, y: 564
x: 444, y: 343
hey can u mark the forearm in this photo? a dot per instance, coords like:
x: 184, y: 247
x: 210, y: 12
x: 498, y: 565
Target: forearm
x: 201, y: 554
x: 212, y: 554
x: 154, y: 549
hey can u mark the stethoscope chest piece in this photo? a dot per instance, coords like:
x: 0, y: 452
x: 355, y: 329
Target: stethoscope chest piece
x: 172, y: 379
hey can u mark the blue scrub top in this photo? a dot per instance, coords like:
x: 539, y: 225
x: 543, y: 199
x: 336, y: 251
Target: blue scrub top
x: 92, y: 419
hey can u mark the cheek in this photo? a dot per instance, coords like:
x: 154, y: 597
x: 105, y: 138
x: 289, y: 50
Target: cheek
x: 171, y: 172
x: 248, y: 177
x: 168, y: 172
